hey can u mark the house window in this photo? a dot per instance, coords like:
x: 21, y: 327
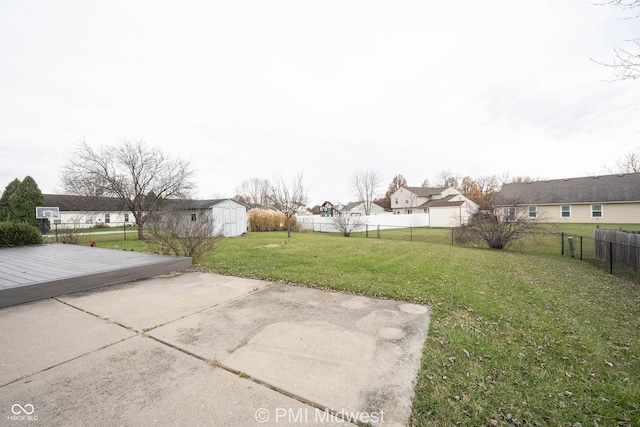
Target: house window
x: 107, y: 218
x: 126, y: 217
x: 509, y: 213
x: 409, y: 211
x: 89, y: 219
x: 533, y: 211
x: 596, y: 211
x: 565, y: 211
x: 194, y: 217
x: 396, y: 200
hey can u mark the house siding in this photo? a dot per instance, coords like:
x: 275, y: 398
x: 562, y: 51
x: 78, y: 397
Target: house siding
x: 446, y: 206
x: 93, y: 218
x: 612, y: 213
x: 619, y: 196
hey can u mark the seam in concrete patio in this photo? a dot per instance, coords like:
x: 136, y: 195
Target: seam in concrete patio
x: 212, y: 362
x: 340, y: 355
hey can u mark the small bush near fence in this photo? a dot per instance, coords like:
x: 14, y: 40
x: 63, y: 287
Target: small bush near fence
x: 18, y: 234
x: 267, y: 220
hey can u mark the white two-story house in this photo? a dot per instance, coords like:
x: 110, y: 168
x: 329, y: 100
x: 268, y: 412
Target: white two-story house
x: 446, y: 206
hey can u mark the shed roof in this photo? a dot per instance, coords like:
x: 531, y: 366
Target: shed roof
x: 590, y: 189
x: 199, y: 204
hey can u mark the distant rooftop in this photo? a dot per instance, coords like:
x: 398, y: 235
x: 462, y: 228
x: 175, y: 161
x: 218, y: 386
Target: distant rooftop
x: 590, y: 189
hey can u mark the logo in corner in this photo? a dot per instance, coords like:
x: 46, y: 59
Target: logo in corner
x: 18, y: 409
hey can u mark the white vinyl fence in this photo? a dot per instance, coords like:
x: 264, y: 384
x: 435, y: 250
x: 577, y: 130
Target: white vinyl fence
x: 381, y: 222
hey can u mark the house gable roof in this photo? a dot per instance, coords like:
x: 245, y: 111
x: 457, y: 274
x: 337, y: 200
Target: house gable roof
x: 441, y: 203
x: 426, y: 191
x: 591, y: 189
x: 352, y: 205
x: 71, y: 203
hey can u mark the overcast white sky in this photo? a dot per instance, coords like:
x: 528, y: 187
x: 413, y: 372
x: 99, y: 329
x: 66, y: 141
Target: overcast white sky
x: 257, y: 88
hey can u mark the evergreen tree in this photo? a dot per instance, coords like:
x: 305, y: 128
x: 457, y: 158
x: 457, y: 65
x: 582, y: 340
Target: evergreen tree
x: 23, y: 203
x: 5, y: 208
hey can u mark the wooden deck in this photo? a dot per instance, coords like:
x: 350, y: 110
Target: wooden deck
x: 31, y: 273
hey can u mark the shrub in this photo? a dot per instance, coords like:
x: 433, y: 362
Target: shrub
x: 347, y: 224
x: 172, y: 232
x: 499, y: 231
x: 268, y: 220
x: 18, y: 234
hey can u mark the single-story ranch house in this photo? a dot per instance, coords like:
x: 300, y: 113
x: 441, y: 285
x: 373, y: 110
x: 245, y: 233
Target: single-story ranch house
x: 592, y: 199
x: 358, y: 208
x: 89, y: 211
x: 446, y: 206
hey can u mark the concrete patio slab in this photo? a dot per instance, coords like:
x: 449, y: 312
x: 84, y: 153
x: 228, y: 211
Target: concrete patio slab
x: 142, y: 382
x: 153, y: 302
x: 229, y: 351
x: 42, y: 334
x: 343, y: 352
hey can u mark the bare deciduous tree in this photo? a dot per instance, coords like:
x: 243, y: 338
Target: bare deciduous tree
x: 365, y: 184
x: 629, y: 163
x: 255, y: 191
x: 288, y: 198
x: 130, y: 171
x: 174, y: 231
x: 347, y: 224
x: 626, y: 62
x: 446, y: 178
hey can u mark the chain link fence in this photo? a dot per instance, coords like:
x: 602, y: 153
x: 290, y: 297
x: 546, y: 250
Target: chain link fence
x: 616, y: 250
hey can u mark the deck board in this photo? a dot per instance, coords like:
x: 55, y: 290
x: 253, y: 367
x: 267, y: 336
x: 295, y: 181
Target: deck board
x: 31, y: 273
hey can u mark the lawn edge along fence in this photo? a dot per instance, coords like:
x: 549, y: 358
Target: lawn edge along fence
x: 619, y: 247
x: 615, y: 247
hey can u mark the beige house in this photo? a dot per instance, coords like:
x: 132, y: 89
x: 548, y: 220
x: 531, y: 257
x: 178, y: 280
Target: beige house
x: 446, y: 206
x: 592, y: 199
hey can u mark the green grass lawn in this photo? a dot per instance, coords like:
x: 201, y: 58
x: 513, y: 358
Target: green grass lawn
x: 522, y: 337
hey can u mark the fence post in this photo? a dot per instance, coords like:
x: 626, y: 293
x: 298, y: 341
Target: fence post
x: 610, y: 257
x: 411, y: 234
x: 562, y: 244
x: 580, y: 248
x: 366, y: 231
x: 124, y: 229
x: 571, y: 246
x: 378, y: 231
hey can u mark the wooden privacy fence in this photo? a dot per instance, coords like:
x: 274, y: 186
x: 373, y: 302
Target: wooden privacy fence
x: 619, y: 247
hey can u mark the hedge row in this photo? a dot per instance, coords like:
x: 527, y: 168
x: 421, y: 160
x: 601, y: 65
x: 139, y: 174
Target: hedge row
x: 18, y: 234
x: 267, y: 220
